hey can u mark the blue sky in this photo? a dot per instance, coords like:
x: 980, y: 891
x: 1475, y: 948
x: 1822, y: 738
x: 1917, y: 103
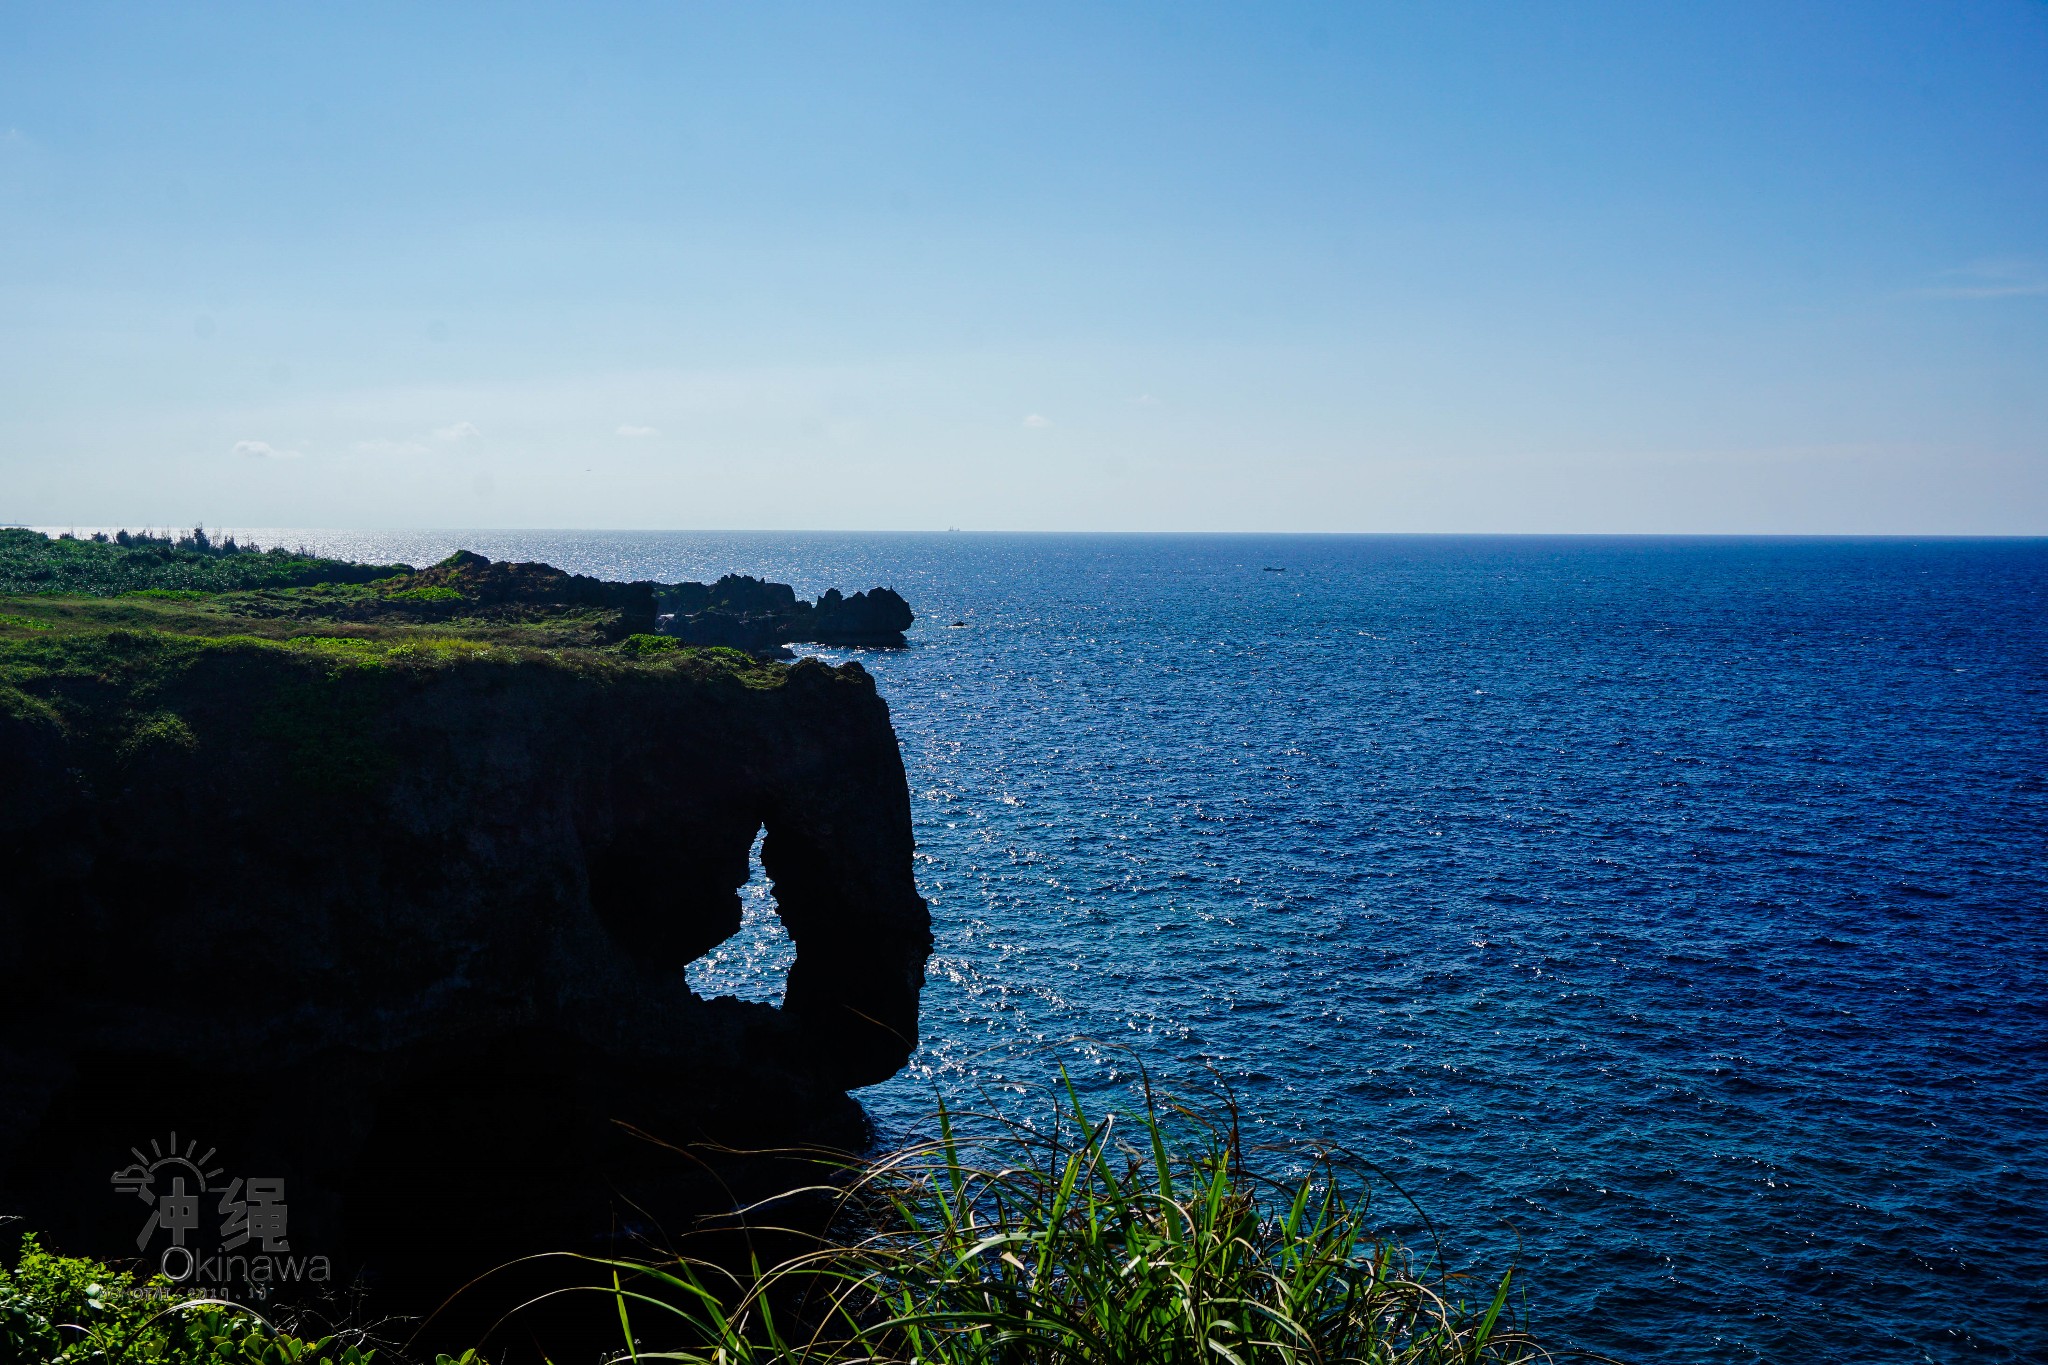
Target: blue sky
x: 1541, y: 267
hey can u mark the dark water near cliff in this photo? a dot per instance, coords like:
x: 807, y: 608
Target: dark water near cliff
x: 1670, y: 907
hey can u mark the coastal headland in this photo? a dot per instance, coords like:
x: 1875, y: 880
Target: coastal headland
x: 382, y: 884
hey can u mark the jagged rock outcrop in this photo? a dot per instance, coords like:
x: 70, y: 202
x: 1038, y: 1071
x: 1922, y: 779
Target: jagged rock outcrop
x: 409, y: 928
x: 487, y: 589
x: 875, y: 617
x: 743, y: 612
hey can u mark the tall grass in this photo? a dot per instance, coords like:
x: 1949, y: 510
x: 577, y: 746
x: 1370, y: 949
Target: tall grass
x: 1146, y: 1237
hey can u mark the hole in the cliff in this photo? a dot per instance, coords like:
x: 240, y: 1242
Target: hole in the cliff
x: 754, y: 963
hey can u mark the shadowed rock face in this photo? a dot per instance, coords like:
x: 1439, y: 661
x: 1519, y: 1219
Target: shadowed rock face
x: 414, y: 938
x: 747, y: 613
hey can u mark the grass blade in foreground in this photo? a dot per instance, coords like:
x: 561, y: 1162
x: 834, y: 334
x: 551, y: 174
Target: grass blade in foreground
x: 1083, y: 1243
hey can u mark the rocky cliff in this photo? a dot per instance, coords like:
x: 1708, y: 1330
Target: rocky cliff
x: 403, y: 918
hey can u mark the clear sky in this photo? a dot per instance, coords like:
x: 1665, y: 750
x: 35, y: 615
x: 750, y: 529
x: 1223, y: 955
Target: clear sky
x: 1771, y: 267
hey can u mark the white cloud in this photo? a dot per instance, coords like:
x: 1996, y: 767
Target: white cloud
x: 263, y: 450
x: 630, y: 430
x: 2003, y: 278
x: 461, y: 431
x: 1036, y: 422
x: 1988, y: 291
x: 1146, y: 400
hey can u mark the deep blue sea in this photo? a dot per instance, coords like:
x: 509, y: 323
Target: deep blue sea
x: 1666, y: 915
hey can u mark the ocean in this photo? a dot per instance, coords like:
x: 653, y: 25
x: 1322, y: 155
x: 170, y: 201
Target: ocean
x: 1664, y: 915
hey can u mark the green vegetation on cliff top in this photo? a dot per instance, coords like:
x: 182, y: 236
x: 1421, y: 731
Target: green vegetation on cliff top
x: 134, y: 609
x: 126, y: 692
x: 126, y: 678
x: 102, y: 566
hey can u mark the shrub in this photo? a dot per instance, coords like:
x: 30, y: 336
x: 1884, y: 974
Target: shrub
x: 649, y: 644
x: 64, y: 1310
x: 162, y: 731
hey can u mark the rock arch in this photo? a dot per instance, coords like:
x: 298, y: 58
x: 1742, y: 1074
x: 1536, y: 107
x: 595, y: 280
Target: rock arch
x: 502, y: 886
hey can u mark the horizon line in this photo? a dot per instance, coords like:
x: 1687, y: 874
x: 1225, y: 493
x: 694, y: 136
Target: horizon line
x: 89, y: 528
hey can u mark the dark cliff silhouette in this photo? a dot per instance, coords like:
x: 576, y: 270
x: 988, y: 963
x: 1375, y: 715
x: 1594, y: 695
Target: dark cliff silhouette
x: 404, y: 920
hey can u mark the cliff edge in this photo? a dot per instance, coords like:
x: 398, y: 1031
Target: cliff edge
x: 401, y: 916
